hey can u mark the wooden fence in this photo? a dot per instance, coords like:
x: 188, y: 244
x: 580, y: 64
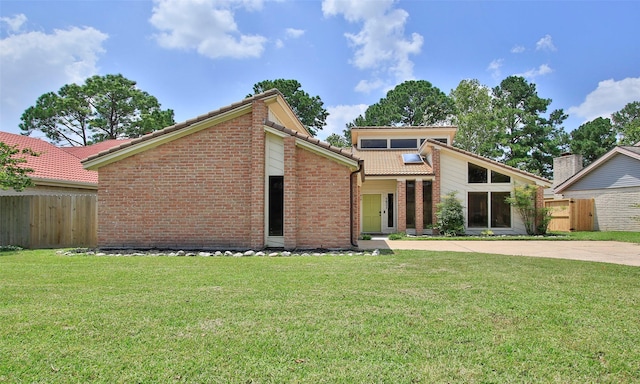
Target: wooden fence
x: 54, y: 221
x: 570, y: 215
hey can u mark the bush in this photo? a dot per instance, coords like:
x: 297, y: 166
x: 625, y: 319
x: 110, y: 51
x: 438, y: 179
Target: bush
x: 536, y: 220
x: 396, y: 236
x: 366, y: 236
x: 449, y: 215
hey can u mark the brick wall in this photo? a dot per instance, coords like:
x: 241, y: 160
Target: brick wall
x: 190, y: 193
x: 323, y: 205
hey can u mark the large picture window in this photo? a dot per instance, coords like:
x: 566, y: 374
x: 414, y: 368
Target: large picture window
x: 480, y: 204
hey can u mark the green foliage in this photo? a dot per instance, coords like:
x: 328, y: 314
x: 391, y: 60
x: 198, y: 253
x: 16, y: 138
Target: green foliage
x: 397, y: 236
x: 366, y: 236
x: 593, y: 139
x: 530, y: 140
x: 412, y: 103
x: 478, y: 131
x: 627, y: 123
x: 104, y: 107
x: 338, y: 141
x: 536, y: 219
x: 13, y: 174
x: 450, y: 216
x: 309, y: 109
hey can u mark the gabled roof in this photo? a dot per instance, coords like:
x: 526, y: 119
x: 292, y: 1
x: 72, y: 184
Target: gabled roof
x: 389, y: 162
x: 480, y: 159
x: 89, y: 150
x: 53, y: 165
x: 190, y: 126
x: 631, y: 151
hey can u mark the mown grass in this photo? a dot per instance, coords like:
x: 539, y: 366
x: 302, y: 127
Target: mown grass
x: 399, y: 318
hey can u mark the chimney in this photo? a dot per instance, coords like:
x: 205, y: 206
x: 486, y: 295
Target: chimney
x: 565, y: 166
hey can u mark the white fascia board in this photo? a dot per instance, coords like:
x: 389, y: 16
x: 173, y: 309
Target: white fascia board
x: 64, y: 183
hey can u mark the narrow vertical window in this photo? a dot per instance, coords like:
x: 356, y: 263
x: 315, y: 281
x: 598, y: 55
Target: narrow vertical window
x: 478, y: 210
x: 390, y: 210
x: 276, y: 205
x: 500, y: 210
x: 427, y: 204
x: 411, y: 204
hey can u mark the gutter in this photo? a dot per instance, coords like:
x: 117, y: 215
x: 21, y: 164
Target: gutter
x: 360, y: 169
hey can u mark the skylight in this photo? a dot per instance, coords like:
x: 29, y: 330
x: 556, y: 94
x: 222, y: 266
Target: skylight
x: 411, y: 158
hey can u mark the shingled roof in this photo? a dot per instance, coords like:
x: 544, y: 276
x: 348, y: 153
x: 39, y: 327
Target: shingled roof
x: 89, y: 150
x: 390, y: 163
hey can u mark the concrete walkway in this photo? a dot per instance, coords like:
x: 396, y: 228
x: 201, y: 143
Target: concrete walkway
x: 600, y: 251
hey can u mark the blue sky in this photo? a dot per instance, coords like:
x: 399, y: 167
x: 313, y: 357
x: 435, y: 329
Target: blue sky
x: 197, y: 56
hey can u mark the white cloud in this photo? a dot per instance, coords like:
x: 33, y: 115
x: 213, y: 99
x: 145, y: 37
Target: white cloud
x: 34, y: 63
x: 279, y: 43
x: 294, y: 33
x: 207, y: 26
x: 380, y: 46
x: 517, y: 49
x: 14, y: 23
x: 545, y: 44
x: 543, y: 69
x: 338, y: 118
x: 610, y: 96
x: 366, y: 86
x: 495, y: 67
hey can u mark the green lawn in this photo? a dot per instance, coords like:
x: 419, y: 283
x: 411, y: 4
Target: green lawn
x: 396, y: 318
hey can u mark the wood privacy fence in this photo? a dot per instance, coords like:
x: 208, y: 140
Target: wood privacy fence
x: 54, y: 221
x: 570, y: 215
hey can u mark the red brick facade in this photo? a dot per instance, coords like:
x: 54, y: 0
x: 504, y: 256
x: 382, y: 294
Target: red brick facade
x: 206, y: 190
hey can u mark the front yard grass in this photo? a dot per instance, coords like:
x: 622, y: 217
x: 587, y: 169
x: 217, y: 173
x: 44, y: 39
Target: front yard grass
x: 399, y: 318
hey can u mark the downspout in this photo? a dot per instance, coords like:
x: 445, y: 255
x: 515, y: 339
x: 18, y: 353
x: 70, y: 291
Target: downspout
x: 360, y: 162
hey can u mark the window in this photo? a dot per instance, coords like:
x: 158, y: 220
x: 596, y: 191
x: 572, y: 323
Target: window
x: 276, y: 205
x: 390, y: 210
x: 443, y: 140
x: 411, y: 158
x: 404, y: 143
x: 411, y: 204
x: 500, y: 210
x: 477, y: 174
x: 427, y: 209
x: 373, y: 143
x: 477, y: 211
x: 497, y: 177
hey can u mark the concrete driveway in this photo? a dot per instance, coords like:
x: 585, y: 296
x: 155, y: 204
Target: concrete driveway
x: 600, y: 251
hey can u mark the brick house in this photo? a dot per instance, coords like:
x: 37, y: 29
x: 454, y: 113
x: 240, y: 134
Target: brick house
x: 408, y: 170
x: 246, y: 176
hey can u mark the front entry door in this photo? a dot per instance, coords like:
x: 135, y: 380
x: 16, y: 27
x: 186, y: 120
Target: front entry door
x: 371, y: 213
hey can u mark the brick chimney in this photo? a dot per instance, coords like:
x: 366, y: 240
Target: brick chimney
x: 565, y: 166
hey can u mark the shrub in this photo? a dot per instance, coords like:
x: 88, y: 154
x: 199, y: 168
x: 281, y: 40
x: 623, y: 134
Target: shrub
x: 536, y: 220
x: 449, y: 215
x: 366, y: 236
x: 396, y: 236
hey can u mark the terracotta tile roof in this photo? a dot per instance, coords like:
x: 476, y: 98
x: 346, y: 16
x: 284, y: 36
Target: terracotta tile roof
x: 84, y: 152
x: 389, y: 162
x: 53, y: 163
x: 346, y: 152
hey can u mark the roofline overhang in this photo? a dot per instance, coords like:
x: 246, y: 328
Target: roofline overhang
x: 163, y: 138
x: 351, y: 163
x: 63, y: 183
x: 584, y: 171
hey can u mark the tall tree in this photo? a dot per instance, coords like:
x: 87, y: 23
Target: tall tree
x: 478, y: 131
x: 530, y: 140
x: 104, y: 107
x: 627, y: 123
x: 309, y: 109
x: 412, y: 103
x: 593, y: 139
x: 338, y: 141
x: 12, y: 173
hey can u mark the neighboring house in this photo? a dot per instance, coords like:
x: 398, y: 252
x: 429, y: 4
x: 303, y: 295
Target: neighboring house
x: 613, y: 181
x: 60, y: 209
x: 55, y: 171
x: 408, y: 170
x: 246, y: 176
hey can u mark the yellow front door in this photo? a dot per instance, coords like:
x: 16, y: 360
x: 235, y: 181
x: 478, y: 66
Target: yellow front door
x: 371, y: 213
